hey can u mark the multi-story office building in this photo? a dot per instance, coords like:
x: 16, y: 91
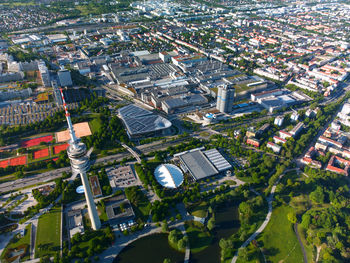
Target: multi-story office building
x: 225, y: 98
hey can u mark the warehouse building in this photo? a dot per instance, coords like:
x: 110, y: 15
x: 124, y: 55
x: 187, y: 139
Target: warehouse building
x: 172, y: 105
x: 202, y: 164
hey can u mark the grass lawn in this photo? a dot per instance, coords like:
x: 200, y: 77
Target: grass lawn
x: 199, y: 240
x: 205, y: 134
x: 200, y: 210
x: 139, y: 202
x: 95, y: 125
x: 48, y: 235
x: 102, y: 213
x: 280, y: 241
x: 230, y: 182
x: 142, y: 209
x: 17, y: 241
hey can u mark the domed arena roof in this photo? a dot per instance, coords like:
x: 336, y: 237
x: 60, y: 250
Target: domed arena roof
x: 169, y: 175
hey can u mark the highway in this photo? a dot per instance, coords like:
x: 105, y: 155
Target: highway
x: 145, y: 149
x: 51, y: 175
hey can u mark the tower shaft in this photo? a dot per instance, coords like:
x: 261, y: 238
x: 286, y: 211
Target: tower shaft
x: 95, y: 220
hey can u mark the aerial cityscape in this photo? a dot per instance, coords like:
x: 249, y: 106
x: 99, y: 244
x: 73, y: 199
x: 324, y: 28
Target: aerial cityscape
x: 208, y: 131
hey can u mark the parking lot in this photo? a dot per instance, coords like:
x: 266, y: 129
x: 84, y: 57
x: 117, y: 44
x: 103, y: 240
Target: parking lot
x: 121, y: 177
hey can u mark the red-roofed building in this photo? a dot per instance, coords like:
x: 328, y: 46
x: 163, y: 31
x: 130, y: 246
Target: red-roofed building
x: 285, y: 135
x: 276, y: 148
x: 277, y: 139
x: 337, y: 160
x: 329, y: 142
x: 311, y: 162
x: 253, y: 141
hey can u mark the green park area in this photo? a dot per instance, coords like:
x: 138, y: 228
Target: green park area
x: 280, y: 241
x: 198, y: 236
x: 48, y: 223
x: 199, y: 210
x: 95, y: 124
x: 18, y: 246
x: 139, y: 201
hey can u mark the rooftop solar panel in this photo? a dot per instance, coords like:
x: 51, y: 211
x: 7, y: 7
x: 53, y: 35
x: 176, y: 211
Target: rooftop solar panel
x: 198, y: 165
x: 138, y: 120
x: 217, y: 159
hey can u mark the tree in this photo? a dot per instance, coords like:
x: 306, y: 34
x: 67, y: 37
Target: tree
x: 19, y: 174
x: 225, y: 244
x: 243, y: 253
x: 165, y: 227
x: 181, y: 244
x: 173, y: 236
x: 292, y: 217
x: 317, y: 196
x: 211, y: 223
x: 45, y: 259
x: 167, y: 260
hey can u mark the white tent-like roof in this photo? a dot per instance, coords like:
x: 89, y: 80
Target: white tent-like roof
x: 169, y: 175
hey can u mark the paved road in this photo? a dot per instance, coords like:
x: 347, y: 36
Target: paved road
x: 33, y: 238
x: 51, y: 175
x: 130, y: 150
x: 267, y: 219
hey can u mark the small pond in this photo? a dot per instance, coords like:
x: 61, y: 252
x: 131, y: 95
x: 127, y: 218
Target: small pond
x: 227, y: 223
x: 149, y: 249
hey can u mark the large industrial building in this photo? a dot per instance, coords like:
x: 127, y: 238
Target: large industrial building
x: 202, y: 164
x: 142, y: 123
x: 225, y: 98
x: 44, y: 74
x: 64, y: 78
x: 173, y: 105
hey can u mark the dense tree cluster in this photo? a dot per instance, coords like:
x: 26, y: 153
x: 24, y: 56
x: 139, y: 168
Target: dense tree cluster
x: 45, y: 200
x: 97, y: 241
x: 252, y: 211
x: 324, y: 214
x: 177, y: 240
x: 70, y: 194
x: 109, y: 134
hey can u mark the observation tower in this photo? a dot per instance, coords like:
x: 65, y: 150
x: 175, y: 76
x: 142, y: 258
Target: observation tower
x: 80, y: 164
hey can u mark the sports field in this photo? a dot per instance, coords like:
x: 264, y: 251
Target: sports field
x: 81, y: 130
x: 4, y: 164
x: 48, y: 233
x: 59, y: 148
x: 36, y: 141
x: 41, y: 153
x: 21, y: 160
